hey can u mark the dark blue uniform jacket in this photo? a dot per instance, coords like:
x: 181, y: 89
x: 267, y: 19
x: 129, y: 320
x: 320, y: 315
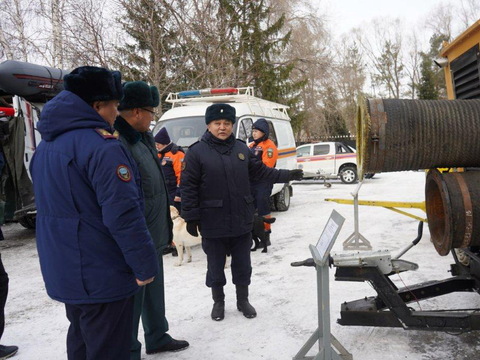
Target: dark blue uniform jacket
x: 92, y: 238
x: 216, y: 185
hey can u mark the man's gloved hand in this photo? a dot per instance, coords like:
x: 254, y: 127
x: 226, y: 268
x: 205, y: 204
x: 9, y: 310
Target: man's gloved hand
x: 193, y: 228
x: 296, y: 174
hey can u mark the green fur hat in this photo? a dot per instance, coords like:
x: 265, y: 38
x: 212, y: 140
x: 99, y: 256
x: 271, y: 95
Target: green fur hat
x: 138, y: 94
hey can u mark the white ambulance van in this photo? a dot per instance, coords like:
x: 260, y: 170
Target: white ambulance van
x: 185, y: 123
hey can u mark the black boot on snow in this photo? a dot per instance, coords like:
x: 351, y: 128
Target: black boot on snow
x: 242, y: 302
x: 218, y: 311
x: 267, y: 238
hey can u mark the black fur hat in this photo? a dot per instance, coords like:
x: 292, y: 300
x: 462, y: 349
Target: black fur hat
x: 138, y: 94
x: 93, y: 83
x: 220, y: 111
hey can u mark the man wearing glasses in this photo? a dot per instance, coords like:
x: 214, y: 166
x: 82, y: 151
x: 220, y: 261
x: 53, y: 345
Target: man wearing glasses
x: 136, y: 113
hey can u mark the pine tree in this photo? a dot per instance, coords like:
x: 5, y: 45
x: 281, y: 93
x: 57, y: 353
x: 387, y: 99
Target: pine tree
x: 427, y: 89
x: 148, y: 52
x: 432, y: 82
x: 257, y: 48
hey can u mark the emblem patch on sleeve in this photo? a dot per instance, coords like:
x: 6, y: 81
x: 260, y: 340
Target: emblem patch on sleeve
x: 123, y: 172
x: 270, y: 152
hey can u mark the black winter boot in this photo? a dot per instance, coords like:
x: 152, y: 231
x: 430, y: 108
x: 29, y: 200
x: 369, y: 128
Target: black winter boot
x: 267, y: 238
x: 218, y: 311
x: 242, y: 302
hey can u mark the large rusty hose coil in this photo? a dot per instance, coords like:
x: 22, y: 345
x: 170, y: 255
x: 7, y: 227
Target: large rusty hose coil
x: 397, y: 135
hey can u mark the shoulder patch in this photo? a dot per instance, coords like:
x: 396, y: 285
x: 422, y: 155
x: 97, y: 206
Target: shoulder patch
x: 124, y: 173
x: 270, y: 152
x: 104, y: 133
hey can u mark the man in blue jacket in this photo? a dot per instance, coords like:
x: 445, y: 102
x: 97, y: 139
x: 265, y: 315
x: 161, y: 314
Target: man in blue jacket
x: 217, y: 201
x: 93, y: 243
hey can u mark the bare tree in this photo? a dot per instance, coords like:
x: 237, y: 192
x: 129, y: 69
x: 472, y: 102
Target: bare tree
x: 468, y: 12
x: 440, y: 20
x: 57, y: 9
x: 383, y: 49
x: 309, y: 49
x: 5, y: 48
x: 350, y: 78
x: 412, y: 65
x: 17, y: 32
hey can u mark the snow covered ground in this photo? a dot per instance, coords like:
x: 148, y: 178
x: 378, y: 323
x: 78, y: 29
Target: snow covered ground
x: 285, y: 297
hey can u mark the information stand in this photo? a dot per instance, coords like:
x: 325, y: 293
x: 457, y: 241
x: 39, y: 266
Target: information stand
x: 329, y: 348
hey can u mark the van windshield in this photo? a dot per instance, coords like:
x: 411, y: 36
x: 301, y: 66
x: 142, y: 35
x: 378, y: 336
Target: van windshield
x: 185, y: 131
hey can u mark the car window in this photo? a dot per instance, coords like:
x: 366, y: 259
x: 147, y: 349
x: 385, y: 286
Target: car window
x: 321, y: 149
x: 342, y: 149
x: 285, y: 134
x: 183, y: 131
x: 303, y: 151
x: 273, y: 135
x: 245, y: 129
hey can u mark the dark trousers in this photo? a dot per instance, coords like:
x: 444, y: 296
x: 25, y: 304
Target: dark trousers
x: 149, y: 304
x: 217, y: 249
x: 261, y: 192
x: 3, y: 295
x: 100, y: 331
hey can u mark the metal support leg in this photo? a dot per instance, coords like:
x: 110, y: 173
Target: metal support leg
x: 329, y: 348
x: 356, y: 241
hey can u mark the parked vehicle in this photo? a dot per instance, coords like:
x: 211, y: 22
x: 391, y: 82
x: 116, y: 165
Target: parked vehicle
x: 328, y: 160
x: 185, y: 123
x: 25, y: 88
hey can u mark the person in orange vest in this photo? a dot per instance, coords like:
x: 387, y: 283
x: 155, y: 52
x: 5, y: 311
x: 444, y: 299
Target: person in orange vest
x: 264, y: 149
x: 171, y: 156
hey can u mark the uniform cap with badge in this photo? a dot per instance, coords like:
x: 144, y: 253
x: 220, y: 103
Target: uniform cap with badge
x: 220, y: 112
x: 92, y: 83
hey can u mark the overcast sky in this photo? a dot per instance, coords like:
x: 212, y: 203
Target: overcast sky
x: 346, y: 14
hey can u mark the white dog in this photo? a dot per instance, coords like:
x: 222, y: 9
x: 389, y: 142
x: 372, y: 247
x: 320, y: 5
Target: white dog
x: 181, y: 237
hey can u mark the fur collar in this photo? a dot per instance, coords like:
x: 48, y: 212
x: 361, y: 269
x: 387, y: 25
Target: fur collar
x: 126, y: 130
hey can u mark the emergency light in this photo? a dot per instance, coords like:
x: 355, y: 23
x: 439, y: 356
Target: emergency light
x: 202, y: 92
x: 7, y: 111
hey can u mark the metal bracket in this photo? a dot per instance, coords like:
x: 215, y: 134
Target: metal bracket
x: 356, y: 241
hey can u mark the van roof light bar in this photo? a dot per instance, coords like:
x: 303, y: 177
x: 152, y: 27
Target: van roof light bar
x: 203, y: 92
x: 200, y: 95
x: 226, y: 95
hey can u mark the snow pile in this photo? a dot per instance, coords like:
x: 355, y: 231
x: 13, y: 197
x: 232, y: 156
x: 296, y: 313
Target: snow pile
x: 285, y: 297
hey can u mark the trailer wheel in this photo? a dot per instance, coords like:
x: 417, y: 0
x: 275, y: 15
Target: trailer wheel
x: 27, y: 221
x: 282, y: 199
